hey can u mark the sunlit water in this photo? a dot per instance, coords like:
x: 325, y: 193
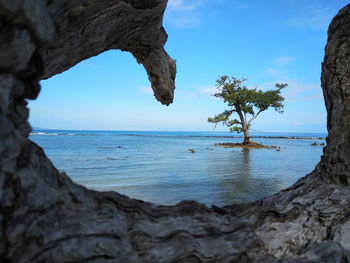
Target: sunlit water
x: 158, y: 167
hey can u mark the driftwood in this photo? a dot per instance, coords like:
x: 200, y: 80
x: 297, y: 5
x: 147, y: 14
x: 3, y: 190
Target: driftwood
x: 45, y: 217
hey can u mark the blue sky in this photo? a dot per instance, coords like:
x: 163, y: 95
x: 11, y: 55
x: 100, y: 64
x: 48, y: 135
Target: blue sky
x: 264, y: 41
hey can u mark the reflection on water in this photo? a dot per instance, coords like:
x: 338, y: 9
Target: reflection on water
x: 162, y: 170
x: 238, y: 180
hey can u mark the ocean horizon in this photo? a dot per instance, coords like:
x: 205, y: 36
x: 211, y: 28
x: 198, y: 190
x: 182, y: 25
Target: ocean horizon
x: 253, y: 134
x: 159, y: 166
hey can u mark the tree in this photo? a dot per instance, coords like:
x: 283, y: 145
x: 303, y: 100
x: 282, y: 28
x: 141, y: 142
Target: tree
x: 244, y: 101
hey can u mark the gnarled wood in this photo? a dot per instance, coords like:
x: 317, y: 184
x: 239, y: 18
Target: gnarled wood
x: 45, y: 217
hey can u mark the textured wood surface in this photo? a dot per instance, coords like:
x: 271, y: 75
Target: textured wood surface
x: 45, y: 217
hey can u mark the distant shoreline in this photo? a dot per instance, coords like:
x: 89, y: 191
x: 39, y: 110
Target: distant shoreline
x: 270, y: 137
x: 72, y: 133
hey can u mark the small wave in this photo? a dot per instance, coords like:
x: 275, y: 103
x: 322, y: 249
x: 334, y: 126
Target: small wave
x: 52, y: 133
x: 43, y: 133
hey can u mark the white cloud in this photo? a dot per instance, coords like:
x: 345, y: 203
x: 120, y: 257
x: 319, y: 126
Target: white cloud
x: 181, y: 5
x: 186, y: 21
x: 316, y: 96
x: 189, y: 13
x: 314, y: 17
x: 263, y: 86
x: 296, y: 92
x: 278, y: 70
x: 284, y: 60
x: 183, y: 13
x: 147, y: 90
x: 186, y: 94
x: 272, y: 72
x: 210, y: 90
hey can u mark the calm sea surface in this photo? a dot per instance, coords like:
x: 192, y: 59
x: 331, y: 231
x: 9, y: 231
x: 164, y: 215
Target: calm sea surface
x: 158, y: 167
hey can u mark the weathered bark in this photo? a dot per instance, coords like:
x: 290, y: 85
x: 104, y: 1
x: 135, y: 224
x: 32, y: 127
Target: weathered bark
x: 247, y: 139
x: 88, y: 28
x: 335, y: 163
x: 245, y: 127
x: 45, y: 217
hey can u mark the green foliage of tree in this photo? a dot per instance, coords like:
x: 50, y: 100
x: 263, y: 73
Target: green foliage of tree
x: 243, y: 101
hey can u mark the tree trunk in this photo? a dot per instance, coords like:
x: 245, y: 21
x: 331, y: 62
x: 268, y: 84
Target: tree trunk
x: 247, y: 139
x: 45, y: 217
x: 245, y: 128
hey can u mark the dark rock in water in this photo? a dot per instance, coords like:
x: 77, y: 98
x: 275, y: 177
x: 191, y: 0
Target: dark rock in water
x: 46, y: 217
x: 322, y: 144
x: 314, y: 144
x: 191, y: 150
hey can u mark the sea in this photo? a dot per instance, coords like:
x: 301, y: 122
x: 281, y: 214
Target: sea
x: 167, y: 167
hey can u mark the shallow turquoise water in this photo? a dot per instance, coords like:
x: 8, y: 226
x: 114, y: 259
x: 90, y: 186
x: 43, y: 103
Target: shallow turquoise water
x: 157, y: 166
